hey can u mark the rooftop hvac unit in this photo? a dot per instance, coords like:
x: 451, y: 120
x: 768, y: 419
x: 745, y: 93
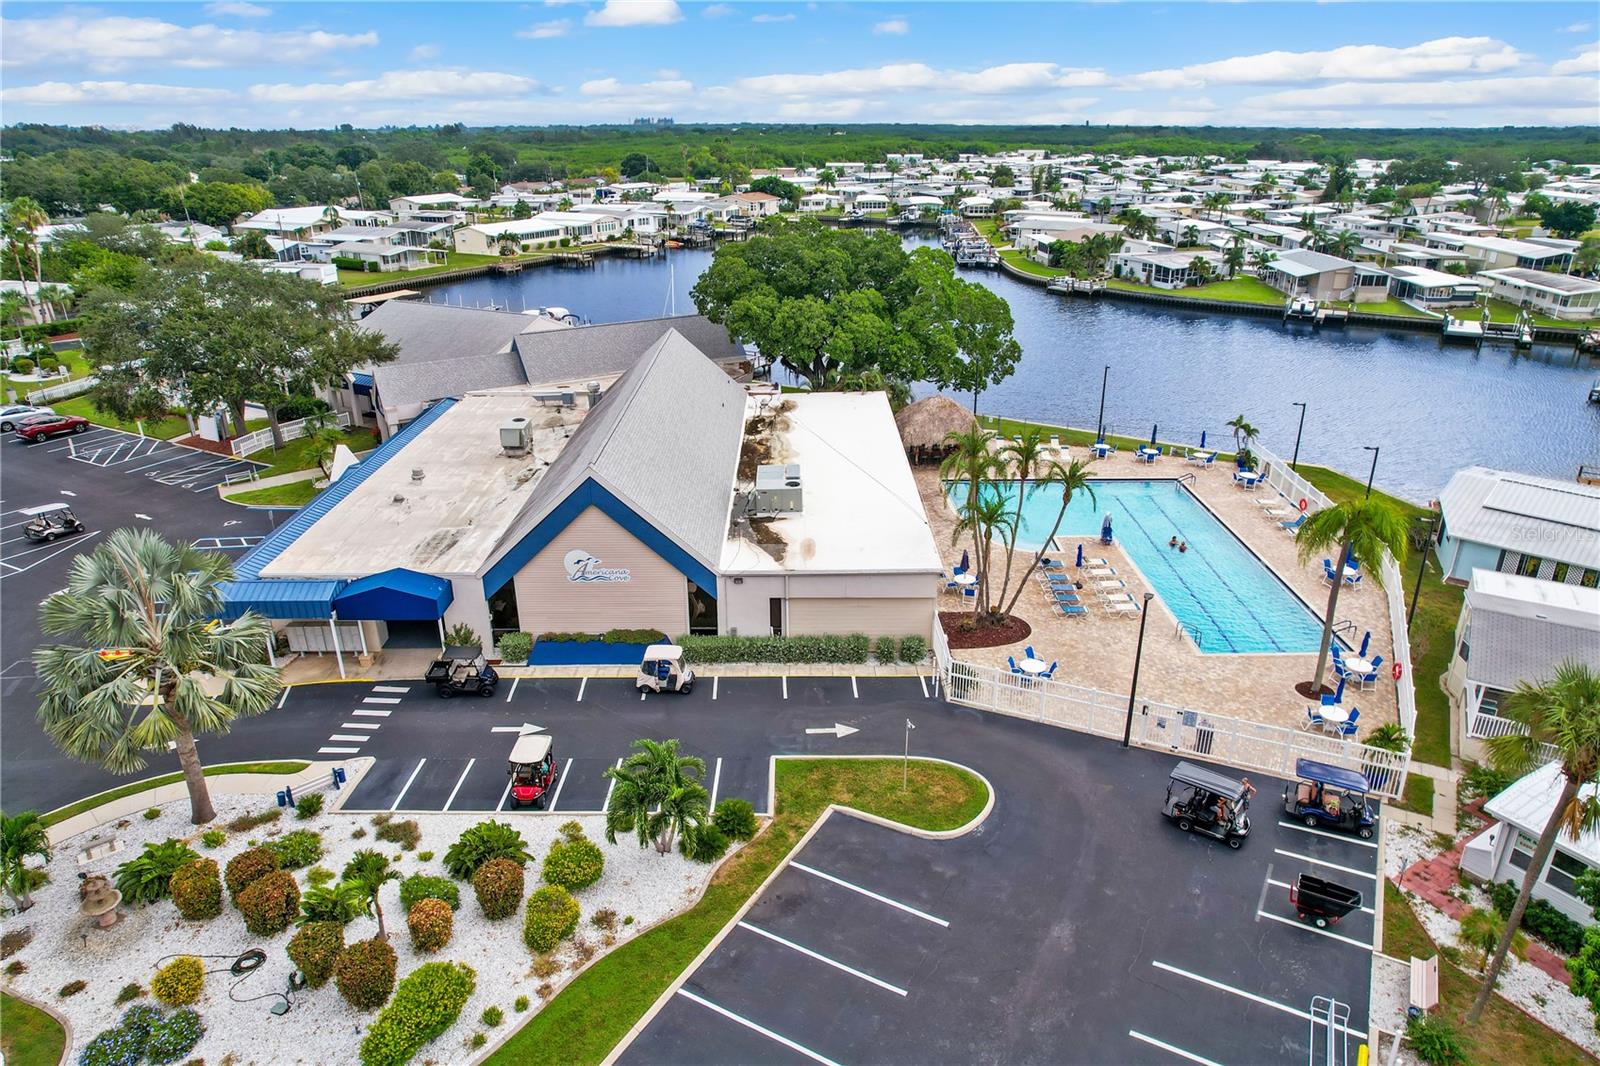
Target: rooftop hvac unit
x: 777, y: 490
x: 515, y: 437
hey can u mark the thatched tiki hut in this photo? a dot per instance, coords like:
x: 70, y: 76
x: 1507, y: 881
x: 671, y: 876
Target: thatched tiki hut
x: 924, y: 425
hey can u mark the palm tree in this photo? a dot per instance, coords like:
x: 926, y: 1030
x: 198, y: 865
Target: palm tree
x: 1070, y: 479
x: 1189, y: 236
x: 369, y: 870
x: 1563, y: 713
x: 1365, y: 528
x: 972, y: 460
x: 1345, y: 244
x: 155, y: 666
x: 1261, y: 260
x: 985, y: 518
x: 1200, y: 269
x: 1234, y: 254
x: 1243, y: 434
x: 25, y: 215
x: 1024, y: 459
x: 22, y: 837
x: 656, y: 794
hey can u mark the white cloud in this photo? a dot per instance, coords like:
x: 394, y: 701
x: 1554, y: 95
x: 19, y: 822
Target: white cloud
x: 1585, y: 62
x: 53, y: 93
x: 716, y: 11
x: 818, y: 110
x: 668, y: 74
x: 1447, y: 55
x: 238, y: 9
x: 1578, y: 27
x: 613, y: 87
x: 542, y: 30
x: 893, y: 27
x: 915, y: 77
x: 118, y: 42
x: 773, y: 18
x: 1447, y: 93
x: 423, y: 52
x: 401, y: 85
x: 635, y: 13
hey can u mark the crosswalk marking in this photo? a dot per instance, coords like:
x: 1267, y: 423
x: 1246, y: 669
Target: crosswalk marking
x: 337, y: 751
x: 360, y: 725
x: 371, y: 713
x: 380, y: 699
x: 358, y: 738
x: 402, y: 689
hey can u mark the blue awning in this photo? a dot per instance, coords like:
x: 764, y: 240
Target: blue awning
x: 361, y: 383
x: 397, y: 595
x: 279, y: 599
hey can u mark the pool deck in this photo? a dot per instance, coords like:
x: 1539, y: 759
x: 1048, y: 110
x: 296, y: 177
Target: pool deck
x: 1097, y: 649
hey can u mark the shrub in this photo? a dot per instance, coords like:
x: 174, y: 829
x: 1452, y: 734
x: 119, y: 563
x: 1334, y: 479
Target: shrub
x: 174, y: 1036
x: 146, y: 877
x: 514, y: 648
x: 477, y: 1041
x: 427, y: 1003
x: 604, y: 918
x: 1434, y: 1040
x: 1479, y: 781
x: 318, y: 876
x: 22, y: 365
x: 270, y: 903
x: 196, y: 889
x: 1540, y: 919
x: 296, y: 850
x: 425, y: 856
x: 552, y: 917
x: 130, y: 992
x: 364, y: 973
x: 341, y: 903
x: 15, y: 968
x: 246, y: 822
x: 573, y: 863
x: 140, y: 1018
x: 431, y: 921
x: 213, y: 838
x: 767, y: 649
x: 117, y: 1046
x: 180, y: 982
x: 308, y: 806
x: 886, y: 649
x: 519, y: 1004
x: 482, y: 842
x: 314, y: 949
x: 152, y: 814
x: 610, y: 636
x: 736, y: 818
x: 492, y: 1016
x: 245, y: 868
x: 703, y: 843
x: 405, y: 833
x: 462, y: 635
x: 545, y: 966
x: 913, y: 649
x: 71, y: 988
x: 424, y: 886
x: 498, y: 885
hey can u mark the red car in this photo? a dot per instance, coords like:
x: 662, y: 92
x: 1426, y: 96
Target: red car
x: 39, y: 427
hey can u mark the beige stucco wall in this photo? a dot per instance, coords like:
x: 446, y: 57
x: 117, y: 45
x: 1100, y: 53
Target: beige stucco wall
x: 655, y: 594
x: 887, y: 617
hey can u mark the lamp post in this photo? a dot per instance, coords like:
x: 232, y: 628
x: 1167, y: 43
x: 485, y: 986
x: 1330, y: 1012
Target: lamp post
x: 1370, y: 473
x: 1138, y: 654
x: 1433, y: 524
x: 1293, y: 463
x: 1100, y: 425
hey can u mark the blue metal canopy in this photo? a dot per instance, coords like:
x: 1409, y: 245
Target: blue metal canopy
x: 397, y: 595
x: 279, y: 599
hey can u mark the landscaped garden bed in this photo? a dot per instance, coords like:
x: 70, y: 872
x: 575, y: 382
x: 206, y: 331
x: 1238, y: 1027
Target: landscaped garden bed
x: 962, y: 632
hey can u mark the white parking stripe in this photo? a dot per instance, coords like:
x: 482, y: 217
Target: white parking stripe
x: 1178, y: 1051
x: 459, y: 781
x: 337, y: 751
x: 1263, y: 1000
x: 613, y: 784
x: 285, y: 697
x: 561, y: 783
x: 1330, y: 865
x: 504, y: 794
x: 69, y: 546
x: 1285, y: 886
x: 714, y: 679
x: 380, y: 699
x: 583, y: 683
x: 836, y: 964
x: 842, y: 883
x: 716, y: 782
x: 923, y: 681
x: 371, y: 714
x: 1308, y: 927
x: 402, y: 689
x: 753, y: 1027
x: 395, y: 806
x: 1341, y: 837
x: 513, y: 691
x: 853, y: 693
x: 174, y: 457
x: 359, y: 738
x: 785, y: 686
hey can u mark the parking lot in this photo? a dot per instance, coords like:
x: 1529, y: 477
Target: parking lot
x: 158, y: 462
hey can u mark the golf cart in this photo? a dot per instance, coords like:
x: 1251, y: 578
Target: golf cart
x: 1201, y: 800
x: 1330, y: 797
x: 50, y: 521
x: 462, y: 669
x: 533, y: 770
x: 663, y: 670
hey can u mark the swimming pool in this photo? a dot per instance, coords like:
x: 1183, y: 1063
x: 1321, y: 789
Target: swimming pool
x: 1218, y: 588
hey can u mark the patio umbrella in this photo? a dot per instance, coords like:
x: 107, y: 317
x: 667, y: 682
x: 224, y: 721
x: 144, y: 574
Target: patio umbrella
x: 1153, y: 435
x: 1080, y: 555
x: 964, y: 562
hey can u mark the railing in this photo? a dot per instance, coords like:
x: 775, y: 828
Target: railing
x: 249, y: 443
x: 62, y: 391
x: 1482, y: 726
x: 1254, y: 746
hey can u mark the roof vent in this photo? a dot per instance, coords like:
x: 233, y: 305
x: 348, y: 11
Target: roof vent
x: 515, y: 435
x: 416, y: 473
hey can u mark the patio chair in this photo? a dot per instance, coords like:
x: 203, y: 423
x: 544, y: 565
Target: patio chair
x: 970, y: 591
x: 1366, y: 639
x: 1349, y: 727
x: 957, y: 570
x: 1327, y: 572
x: 1370, y: 680
x: 1352, y: 581
x: 1028, y: 651
x: 1314, y: 720
x: 1209, y: 461
x: 952, y: 586
x: 1293, y: 526
x: 1050, y: 673
x: 1012, y: 662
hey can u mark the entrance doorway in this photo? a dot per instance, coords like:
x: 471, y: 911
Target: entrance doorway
x: 702, y: 611
x: 412, y: 635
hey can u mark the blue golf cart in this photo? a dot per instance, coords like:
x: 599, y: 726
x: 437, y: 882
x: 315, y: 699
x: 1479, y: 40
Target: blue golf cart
x: 1330, y: 797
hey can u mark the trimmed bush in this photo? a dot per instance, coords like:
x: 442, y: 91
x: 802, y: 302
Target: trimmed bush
x: 703, y: 843
x: 768, y: 649
x: 308, y: 806
x: 1541, y: 919
x: 610, y: 636
x: 913, y: 649
x: 196, y: 889
x: 270, y: 903
x: 315, y: 949
x: 427, y: 1003
x: 246, y: 822
x: 405, y: 833
x: 1434, y: 1040
x: 736, y: 818
x: 364, y: 973
x: 482, y: 842
x: 245, y: 868
x: 885, y: 649
x: 431, y: 922
x: 174, y: 1036
x: 296, y: 850
x: 498, y: 885
x: 180, y: 982
x: 425, y: 886
x: 573, y: 863
x: 514, y: 648
x: 117, y: 1046
x: 147, y: 877
x: 492, y: 1016
x: 552, y: 917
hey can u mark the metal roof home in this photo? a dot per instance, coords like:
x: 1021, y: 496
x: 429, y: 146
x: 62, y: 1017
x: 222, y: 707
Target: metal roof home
x: 1536, y: 517
x: 1523, y: 628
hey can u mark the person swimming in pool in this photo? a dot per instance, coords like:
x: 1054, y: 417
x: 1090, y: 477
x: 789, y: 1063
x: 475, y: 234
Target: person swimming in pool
x: 1173, y: 543
x: 1183, y: 546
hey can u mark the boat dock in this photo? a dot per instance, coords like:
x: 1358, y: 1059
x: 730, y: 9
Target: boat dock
x: 1078, y: 286
x: 1519, y: 333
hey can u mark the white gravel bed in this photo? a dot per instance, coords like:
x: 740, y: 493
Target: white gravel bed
x: 322, y: 1027
x: 1404, y: 845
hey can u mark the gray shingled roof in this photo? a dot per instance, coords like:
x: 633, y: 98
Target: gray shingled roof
x: 665, y: 438
x: 599, y: 351
x: 430, y: 332
x: 407, y: 383
x: 1508, y: 648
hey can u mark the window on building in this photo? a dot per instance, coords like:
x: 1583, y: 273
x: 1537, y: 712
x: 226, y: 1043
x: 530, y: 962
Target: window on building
x: 1522, y: 850
x: 1491, y: 702
x: 702, y: 611
x: 775, y: 615
x: 1466, y: 643
x: 503, y: 616
x: 1564, y: 871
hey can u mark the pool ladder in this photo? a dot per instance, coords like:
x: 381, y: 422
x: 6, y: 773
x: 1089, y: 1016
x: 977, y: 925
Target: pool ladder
x: 1187, y: 479
x: 1193, y: 633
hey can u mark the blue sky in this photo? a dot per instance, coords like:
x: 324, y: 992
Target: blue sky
x: 257, y: 63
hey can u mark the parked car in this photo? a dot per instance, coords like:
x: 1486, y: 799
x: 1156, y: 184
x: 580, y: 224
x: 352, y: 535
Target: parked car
x: 11, y: 414
x: 39, y: 427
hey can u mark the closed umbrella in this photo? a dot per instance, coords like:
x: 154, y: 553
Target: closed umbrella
x: 964, y: 562
x: 1080, y: 556
x: 1153, y: 435
x: 1202, y: 440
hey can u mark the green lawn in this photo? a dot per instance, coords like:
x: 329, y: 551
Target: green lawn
x: 1030, y: 266
x: 1390, y: 306
x: 585, y: 1021
x: 29, y: 1036
x: 1419, y: 795
x: 72, y: 359
x: 294, y: 494
x: 1239, y: 290
x: 296, y: 454
x: 453, y: 261
x: 1010, y: 427
x: 1501, y: 311
x: 167, y: 428
x: 89, y: 803
x: 1504, y: 1034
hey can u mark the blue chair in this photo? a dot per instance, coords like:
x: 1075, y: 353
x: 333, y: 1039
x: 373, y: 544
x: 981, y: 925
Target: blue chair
x: 1314, y: 720
x: 1048, y: 674
x: 1349, y: 727
x: 958, y: 570
x: 1353, y: 563
x: 1028, y: 651
x: 1352, y: 581
x: 1366, y: 639
x: 952, y: 586
x: 1012, y: 662
x: 1334, y: 698
x: 1372, y: 678
x: 969, y: 590
x: 1292, y: 525
x: 1328, y: 574
x: 1052, y: 564
x: 1070, y: 609
x: 1066, y: 597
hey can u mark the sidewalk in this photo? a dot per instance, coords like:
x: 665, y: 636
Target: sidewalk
x: 410, y: 664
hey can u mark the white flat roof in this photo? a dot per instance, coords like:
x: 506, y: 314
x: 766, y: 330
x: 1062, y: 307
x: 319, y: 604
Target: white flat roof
x: 861, y: 512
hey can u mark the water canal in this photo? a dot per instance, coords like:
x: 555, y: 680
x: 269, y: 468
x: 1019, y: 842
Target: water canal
x: 1431, y: 408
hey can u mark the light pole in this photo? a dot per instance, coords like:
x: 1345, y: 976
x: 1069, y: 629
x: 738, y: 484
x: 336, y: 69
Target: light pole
x: 1100, y: 426
x: 1293, y: 463
x: 1370, y: 473
x: 1433, y: 524
x: 1138, y: 654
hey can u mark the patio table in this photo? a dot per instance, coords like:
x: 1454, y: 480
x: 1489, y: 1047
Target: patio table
x: 1361, y: 667
x: 1149, y: 455
x: 1333, y: 718
x: 1032, y: 667
x: 965, y: 579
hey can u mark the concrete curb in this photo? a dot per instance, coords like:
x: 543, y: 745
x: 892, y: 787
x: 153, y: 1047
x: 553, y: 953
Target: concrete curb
x: 60, y: 1019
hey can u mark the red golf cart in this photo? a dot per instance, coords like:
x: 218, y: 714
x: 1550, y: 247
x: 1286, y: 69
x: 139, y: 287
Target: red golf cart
x: 533, y: 770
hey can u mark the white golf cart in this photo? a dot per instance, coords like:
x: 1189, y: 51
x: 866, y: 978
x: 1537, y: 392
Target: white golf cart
x: 663, y: 670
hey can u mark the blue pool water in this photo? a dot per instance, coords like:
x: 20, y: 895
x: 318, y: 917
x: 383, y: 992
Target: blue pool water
x: 1218, y: 588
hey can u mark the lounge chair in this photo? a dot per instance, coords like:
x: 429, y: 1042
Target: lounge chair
x: 1055, y: 443
x: 1110, y: 584
x: 1124, y: 597
x: 1052, y: 564
x: 1094, y: 561
x: 1101, y: 571
x: 1071, y: 609
x: 1120, y: 607
x: 1280, y: 513
x: 1293, y: 525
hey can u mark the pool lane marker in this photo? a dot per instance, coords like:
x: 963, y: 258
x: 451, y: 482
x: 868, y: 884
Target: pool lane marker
x: 459, y: 782
x: 842, y: 883
x: 837, y: 965
x: 1330, y: 865
x: 1340, y: 837
x: 754, y: 1027
x: 1173, y: 1049
x: 395, y: 806
x: 1263, y: 1000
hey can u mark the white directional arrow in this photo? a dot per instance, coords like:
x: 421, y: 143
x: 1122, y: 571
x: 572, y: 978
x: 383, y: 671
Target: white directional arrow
x: 838, y: 729
x: 230, y: 522
x: 524, y: 728
x: 144, y: 517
